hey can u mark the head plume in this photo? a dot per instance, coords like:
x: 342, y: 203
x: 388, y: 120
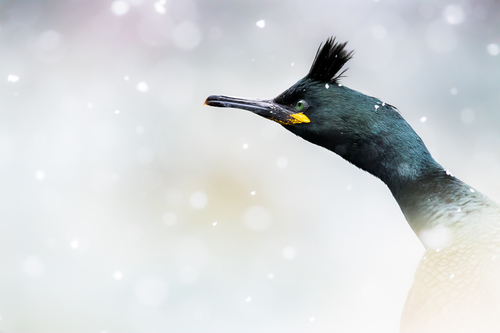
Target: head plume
x: 329, y: 60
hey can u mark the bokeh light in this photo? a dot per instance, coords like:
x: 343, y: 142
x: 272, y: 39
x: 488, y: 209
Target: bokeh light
x: 128, y: 206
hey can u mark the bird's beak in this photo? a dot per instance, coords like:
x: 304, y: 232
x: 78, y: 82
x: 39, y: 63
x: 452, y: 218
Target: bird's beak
x: 265, y: 108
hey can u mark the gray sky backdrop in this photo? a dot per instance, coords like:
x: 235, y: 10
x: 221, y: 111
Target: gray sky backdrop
x: 113, y: 173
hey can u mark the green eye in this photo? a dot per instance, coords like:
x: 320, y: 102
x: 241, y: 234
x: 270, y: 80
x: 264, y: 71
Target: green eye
x: 300, y: 105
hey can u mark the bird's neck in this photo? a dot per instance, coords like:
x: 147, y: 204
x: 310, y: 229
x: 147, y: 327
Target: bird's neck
x: 435, y: 198
x: 424, y: 191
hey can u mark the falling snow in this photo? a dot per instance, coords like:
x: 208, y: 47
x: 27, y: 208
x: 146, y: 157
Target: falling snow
x: 117, y: 275
x: 261, y: 24
x: 248, y: 299
x: 435, y: 237
x: 12, y: 78
x: 493, y: 49
x: 142, y: 86
x: 160, y: 6
x: 214, y: 224
x: 245, y: 146
x: 454, y: 14
x: 252, y: 193
x: 120, y: 8
x: 74, y: 244
x: 327, y: 86
x: 40, y: 175
x: 423, y: 119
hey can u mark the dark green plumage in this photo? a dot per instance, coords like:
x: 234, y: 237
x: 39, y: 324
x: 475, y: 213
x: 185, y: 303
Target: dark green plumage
x: 457, y: 284
x: 361, y: 129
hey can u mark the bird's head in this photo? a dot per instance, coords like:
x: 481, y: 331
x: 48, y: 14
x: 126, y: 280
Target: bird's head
x: 362, y: 129
x: 317, y: 107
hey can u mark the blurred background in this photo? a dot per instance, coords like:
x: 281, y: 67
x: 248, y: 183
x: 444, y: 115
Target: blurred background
x: 128, y: 206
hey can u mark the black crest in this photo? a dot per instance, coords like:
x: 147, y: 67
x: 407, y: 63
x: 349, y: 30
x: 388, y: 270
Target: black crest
x: 329, y: 60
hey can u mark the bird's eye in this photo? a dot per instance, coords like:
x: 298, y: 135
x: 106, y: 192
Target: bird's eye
x: 301, y: 105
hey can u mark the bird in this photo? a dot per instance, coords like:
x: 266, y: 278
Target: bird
x: 456, y: 286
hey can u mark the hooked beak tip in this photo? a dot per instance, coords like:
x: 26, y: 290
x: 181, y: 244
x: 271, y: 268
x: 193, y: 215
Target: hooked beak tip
x: 265, y: 108
x: 213, y: 100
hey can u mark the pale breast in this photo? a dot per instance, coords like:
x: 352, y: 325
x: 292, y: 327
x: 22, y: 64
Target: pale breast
x: 457, y: 286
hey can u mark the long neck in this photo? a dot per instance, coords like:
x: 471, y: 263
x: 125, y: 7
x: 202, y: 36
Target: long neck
x: 437, y: 198
x: 424, y: 191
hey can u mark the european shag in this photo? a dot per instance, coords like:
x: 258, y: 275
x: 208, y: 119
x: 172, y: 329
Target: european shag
x: 456, y: 287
